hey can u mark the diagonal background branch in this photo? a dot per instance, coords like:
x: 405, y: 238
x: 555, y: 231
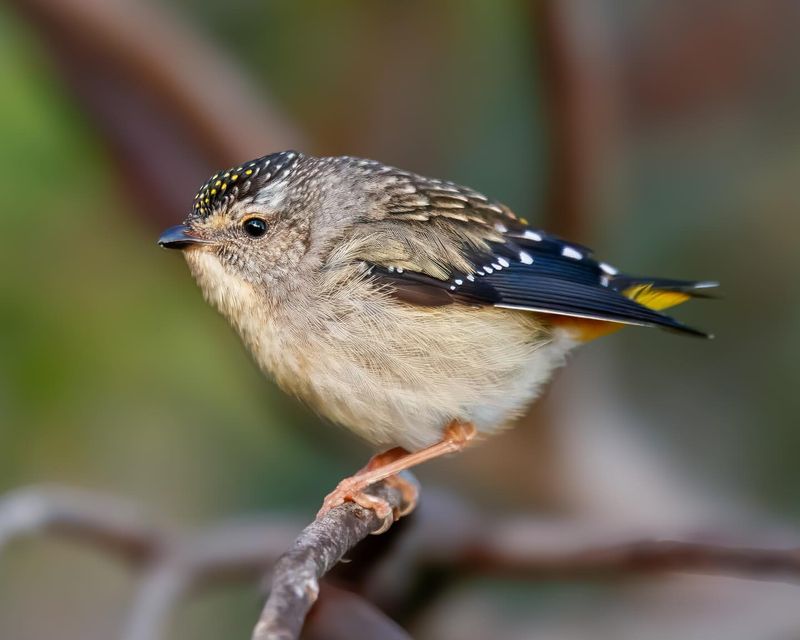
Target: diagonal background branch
x: 171, y: 107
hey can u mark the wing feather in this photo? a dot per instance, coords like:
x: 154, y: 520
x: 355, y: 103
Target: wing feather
x: 453, y: 245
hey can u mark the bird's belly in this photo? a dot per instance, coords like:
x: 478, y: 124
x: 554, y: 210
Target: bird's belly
x: 414, y: 416
x: 402, y: 390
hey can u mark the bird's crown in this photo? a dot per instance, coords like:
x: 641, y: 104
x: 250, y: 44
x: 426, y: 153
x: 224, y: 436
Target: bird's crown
x: 230, y: 185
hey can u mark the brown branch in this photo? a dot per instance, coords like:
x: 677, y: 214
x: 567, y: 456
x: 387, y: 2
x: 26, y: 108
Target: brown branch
x: 446, y: 534
x: 343, y: 615
x: 534, y: 550
x: 237, y: 551
x: 579, y: 77
x: 174, y: 563
x: 172, y: 107
x: 443, y: 534
x: 320, y: 546
x: 110, y: 524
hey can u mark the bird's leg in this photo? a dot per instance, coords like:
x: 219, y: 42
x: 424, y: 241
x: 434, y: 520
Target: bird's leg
x: 386, y: 466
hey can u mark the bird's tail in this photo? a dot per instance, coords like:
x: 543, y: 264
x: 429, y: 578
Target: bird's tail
x: 660, y: 293
x: 654, y: 293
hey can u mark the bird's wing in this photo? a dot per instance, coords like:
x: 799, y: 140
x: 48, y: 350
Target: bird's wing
x: 440, y: 243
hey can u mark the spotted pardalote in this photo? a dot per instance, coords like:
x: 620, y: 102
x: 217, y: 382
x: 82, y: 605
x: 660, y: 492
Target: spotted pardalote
x: 411, y: 310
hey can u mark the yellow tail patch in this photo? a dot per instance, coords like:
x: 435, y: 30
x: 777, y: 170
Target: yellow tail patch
x: 656, y: 299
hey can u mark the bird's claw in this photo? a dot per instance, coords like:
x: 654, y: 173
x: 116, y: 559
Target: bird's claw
x: 352, y: 490
x: 346, y: 493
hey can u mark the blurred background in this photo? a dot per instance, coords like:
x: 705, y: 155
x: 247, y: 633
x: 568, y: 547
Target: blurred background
x: 665, y: 134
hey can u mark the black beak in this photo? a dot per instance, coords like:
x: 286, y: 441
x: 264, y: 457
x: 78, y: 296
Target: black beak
x: 179, y: 237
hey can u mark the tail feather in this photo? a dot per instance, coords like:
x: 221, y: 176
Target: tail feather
x: 657, y: 294
x: 691, y: 288
x: 662, y: 293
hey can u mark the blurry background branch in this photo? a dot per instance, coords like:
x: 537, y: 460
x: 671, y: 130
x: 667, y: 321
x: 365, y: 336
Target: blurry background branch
x: 172, y: 107
x: 443, y: 534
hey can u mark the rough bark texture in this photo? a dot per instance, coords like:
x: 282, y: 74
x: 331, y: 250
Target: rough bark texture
x: 320, y: 546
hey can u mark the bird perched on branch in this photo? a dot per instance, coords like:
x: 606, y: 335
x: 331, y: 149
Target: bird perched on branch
x: 416, y: 312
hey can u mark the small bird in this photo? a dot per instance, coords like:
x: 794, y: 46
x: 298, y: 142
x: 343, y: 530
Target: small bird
x: 416, y: 312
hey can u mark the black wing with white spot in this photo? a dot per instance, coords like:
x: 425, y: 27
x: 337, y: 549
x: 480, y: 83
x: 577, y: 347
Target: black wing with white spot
x: 510, y: 265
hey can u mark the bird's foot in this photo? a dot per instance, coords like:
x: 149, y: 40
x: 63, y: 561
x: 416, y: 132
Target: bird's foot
x: 388, y: 466
x: 352, y: 490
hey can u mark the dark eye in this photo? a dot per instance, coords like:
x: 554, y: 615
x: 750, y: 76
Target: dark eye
x: 254, y: 227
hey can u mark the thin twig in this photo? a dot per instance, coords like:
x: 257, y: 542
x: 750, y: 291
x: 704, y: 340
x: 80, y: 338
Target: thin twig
x: 535, y: 550
x: 447, y: 533
x: 150, y: 98
x: 343, y: 615
x: 320, y: 546
x: 235, y: 551
x: 110, y: 524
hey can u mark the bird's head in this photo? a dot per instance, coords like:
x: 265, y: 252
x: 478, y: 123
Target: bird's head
x: 268, y: 223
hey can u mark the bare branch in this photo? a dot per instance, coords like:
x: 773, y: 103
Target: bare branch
x: 174, y: 563
x: 111, y: 524
x: 444, y: 533
x: 320, y: 546
x: 342, y: 615
x: 450, y: 534
x: 243, y: 550
x: 579, y: 75
x: 534, y: 549
x: 149, y: 98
